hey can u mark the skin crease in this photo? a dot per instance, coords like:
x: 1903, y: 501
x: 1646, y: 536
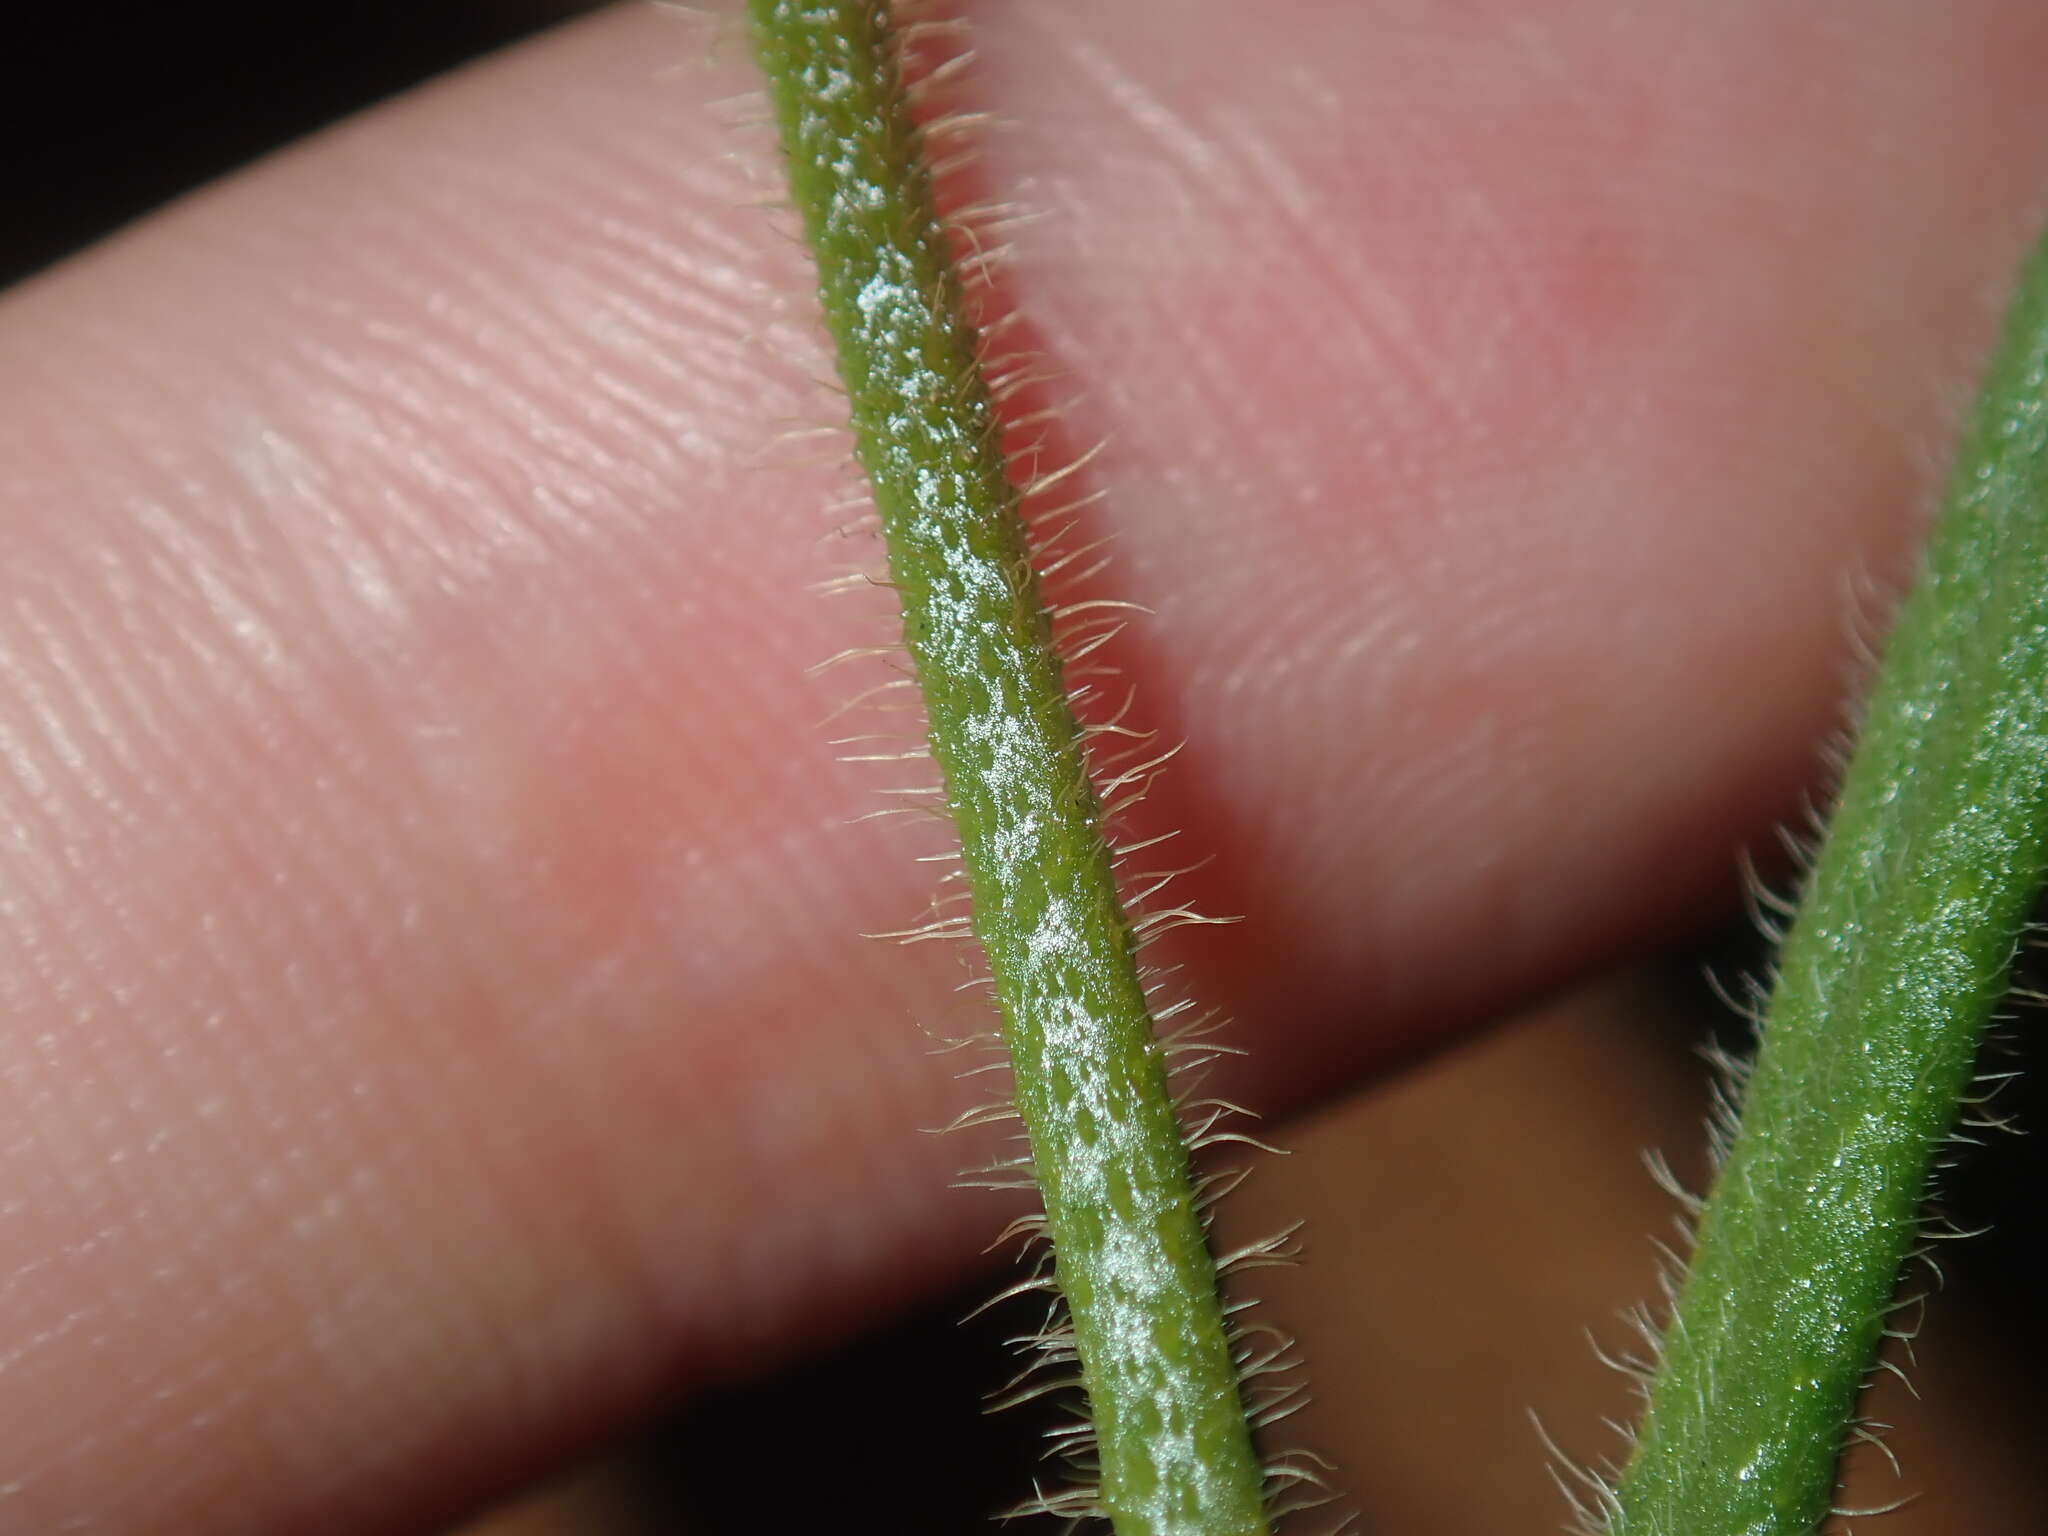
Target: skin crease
x: 432, y: 1017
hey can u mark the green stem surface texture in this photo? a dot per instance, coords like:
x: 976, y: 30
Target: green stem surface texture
x: 1128, y: 1241
x: 1887, y: 978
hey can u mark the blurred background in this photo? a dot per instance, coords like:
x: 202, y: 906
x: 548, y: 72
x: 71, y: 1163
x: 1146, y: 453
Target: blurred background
x: 114, y: 106
x: 1467, y: 1225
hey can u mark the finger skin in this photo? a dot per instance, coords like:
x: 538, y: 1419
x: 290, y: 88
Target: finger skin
x: 434, y: 1014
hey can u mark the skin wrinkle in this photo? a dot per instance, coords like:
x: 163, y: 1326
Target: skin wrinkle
x: 634, y: 1120
x: 1211, y: 314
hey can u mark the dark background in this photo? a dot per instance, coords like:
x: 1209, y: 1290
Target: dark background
x: 110, y: 107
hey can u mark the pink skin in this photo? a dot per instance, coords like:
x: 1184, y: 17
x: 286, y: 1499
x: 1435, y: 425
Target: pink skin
x: 434, y: 1017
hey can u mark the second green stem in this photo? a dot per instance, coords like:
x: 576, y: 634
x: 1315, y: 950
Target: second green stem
x: 1888, y: 976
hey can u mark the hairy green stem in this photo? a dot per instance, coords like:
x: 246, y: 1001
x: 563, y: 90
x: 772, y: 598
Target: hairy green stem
x: 1130, y: 1252
x: 1888, y: 975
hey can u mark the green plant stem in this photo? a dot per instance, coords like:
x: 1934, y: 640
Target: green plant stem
x: 1130, y: 1252
x: 1887, y: 978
